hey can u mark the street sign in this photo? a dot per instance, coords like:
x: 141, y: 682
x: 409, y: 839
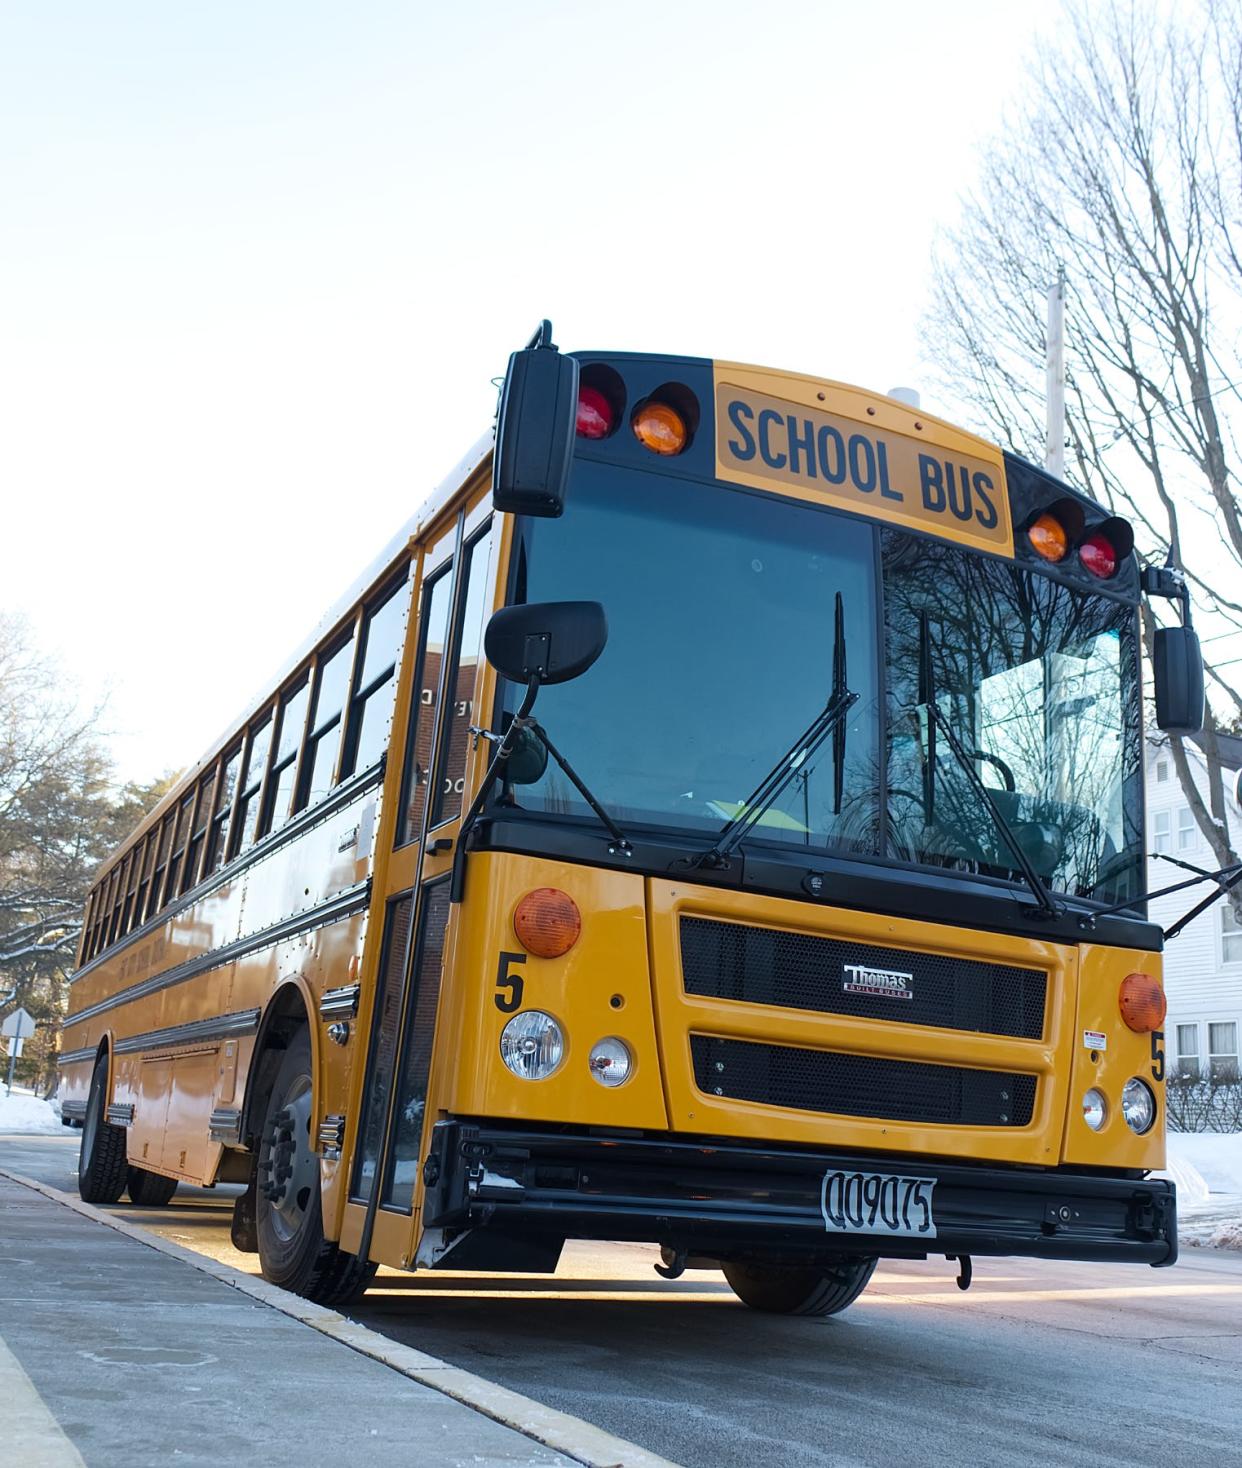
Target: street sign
x: 17, y: 1045
x: 19, y: 1025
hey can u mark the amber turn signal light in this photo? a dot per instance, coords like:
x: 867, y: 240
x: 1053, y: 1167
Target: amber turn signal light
x: 1142, y: 1003
x: 547, y: 922
x: 1048, y: 538
x: 660, y: 428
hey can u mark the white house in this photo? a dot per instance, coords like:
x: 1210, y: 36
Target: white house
x: 1203, y: 964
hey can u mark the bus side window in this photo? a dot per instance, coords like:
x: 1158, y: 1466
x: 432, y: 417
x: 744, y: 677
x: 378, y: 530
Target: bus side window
x: 246, y: 826
x: 371, y: 705
x: 144, y: 881
x: 284, y: 766
x: 131, y: 888
x: 463, y: 674
x: 217, y: 850
x: 323, y: 741
x: 194, y: 851
x: 437, y: 602
x: 116, y: 895
x: 161, y: 864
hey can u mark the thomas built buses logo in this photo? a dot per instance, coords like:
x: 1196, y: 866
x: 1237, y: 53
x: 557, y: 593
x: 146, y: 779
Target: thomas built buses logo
x: 884, y: 982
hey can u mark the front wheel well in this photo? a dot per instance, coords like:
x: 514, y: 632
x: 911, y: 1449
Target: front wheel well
x: 283, y: 1018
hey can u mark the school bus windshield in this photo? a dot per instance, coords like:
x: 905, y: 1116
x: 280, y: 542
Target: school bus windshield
x: 721, y: 614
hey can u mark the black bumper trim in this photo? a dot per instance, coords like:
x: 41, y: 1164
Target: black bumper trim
x: 732, y: 1200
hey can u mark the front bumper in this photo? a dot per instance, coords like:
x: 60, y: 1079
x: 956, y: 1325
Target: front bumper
x: 730, y: 1201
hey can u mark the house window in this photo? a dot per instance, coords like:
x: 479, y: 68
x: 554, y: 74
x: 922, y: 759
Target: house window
x: 1230, y: 935
x: 1162, y: 771
x: 1187, y: 837
x: 1223, y: 1050
x: 1162, y: 830
x: 1188, y: 1051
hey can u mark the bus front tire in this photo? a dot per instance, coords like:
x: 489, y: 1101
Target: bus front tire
x: 102, y: 1166
x: 293, y: 1252
x: 784, y: 1289
x: 149, y: 1189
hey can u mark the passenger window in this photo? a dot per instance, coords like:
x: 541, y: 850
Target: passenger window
x: 252, y: 783
x: 180, y: 839
x: 161, y: 863
x: 319, y: 761
x: 218, y: 848
x: 284, y: 765
x: 459, y: 711
x: 194, y: 852
x: 437, y: 600
x: 376, y: 686
x: 144, y: 881
x: 131, y: 889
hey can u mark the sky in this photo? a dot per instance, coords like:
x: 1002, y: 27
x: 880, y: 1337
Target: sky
x: 261, y: 263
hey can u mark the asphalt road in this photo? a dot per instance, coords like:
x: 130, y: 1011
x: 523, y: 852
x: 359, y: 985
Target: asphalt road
x: 1078, y: 1365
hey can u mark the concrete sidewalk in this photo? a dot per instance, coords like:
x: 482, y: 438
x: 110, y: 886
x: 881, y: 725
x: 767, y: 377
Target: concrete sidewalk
x: 116, y: 1351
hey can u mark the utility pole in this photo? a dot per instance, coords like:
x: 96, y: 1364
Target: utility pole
x: 1054, y: 445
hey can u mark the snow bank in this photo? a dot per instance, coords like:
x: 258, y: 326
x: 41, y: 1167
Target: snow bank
x: 1216, y: 1156
x: 1192, y: 1189
x: 27, y: 1114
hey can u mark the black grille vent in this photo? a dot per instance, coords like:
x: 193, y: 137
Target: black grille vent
x: 861, y: 1085
x: 802, y: 971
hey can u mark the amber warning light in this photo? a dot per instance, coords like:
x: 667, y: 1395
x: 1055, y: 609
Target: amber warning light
x: 547, y: 922
x: 1142, y: 1003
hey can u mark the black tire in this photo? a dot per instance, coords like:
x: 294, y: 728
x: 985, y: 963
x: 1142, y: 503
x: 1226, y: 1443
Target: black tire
x: 101, y: 1162
x: 784, y: 1289
x: 293, y: 1252
x: 150, y: 1189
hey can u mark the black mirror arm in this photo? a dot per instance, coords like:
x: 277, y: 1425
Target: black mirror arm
x: 521, y: 720
x: 620, y: 842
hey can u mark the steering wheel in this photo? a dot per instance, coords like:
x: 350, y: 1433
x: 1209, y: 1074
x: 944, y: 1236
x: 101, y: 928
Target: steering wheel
x: 1006, y: 773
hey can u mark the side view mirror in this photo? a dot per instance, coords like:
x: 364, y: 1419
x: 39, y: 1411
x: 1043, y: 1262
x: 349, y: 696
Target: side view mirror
x: 535, y: 429
x: 1177, y: 668
x: 545, y: 642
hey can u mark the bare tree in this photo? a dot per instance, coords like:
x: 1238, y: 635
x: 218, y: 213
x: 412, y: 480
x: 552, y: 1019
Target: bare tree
x: 59, y: 817
x: 1123, y: 167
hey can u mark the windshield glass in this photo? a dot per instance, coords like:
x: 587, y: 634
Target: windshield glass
x: 720, y: 607
x: 1040, y: 686
x: 720, y: 653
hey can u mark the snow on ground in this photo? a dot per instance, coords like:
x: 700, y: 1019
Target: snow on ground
x: 25, y: 1114
x: 1207, y: 1168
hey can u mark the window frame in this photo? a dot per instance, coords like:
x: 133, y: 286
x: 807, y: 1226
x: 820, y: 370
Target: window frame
x: 314, y: 733
x: 1229, y: 936
x: 1192, y: 1055
x: 1229, y: 1056
x: 1162, y: 841
x: 1187, y: 829
x: 360, y: 696
x: 256, y: 791
x: 276, y: 766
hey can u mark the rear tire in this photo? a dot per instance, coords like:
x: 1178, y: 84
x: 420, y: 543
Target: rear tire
x: 784, y: 1289
x: 293, y: 1252
x: 101, y: 1162
x: 149, y: 1189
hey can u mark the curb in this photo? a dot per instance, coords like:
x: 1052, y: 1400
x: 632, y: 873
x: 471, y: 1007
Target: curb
x: 579, y: 1440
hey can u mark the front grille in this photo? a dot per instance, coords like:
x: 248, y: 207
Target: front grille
x: 861, y: 1085
x: 801, y: 971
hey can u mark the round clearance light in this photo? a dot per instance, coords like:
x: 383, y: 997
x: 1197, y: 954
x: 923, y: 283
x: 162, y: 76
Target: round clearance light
x: 1142, y: 1003
x: 595, y: 413
x: 1094, y: 1109
x: 1138, y: 1105
x: 532, y: 1045
x: 1099, y: 556
x: 660, y: 428
x: 547, y: 922
x: 1048, y: 538
x: 610, y: 1061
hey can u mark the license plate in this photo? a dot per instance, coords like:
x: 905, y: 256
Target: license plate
x: 878, y: 1203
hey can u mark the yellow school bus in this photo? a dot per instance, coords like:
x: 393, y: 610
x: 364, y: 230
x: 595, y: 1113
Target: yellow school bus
x: 715, y: 821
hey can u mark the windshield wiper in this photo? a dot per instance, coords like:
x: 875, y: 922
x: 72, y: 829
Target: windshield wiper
x: 829, y: 720
x: 1226, y: 879
x: 937, y: 719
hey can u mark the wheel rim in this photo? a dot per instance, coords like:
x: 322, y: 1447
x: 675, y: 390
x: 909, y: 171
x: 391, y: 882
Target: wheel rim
x: 289, y: 1168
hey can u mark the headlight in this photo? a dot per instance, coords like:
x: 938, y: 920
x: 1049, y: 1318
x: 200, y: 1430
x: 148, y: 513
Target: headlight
x: 532, y: 1045
x: 1094, y: 1109
x: 610, y: 1061
x: 1138, y: 1105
